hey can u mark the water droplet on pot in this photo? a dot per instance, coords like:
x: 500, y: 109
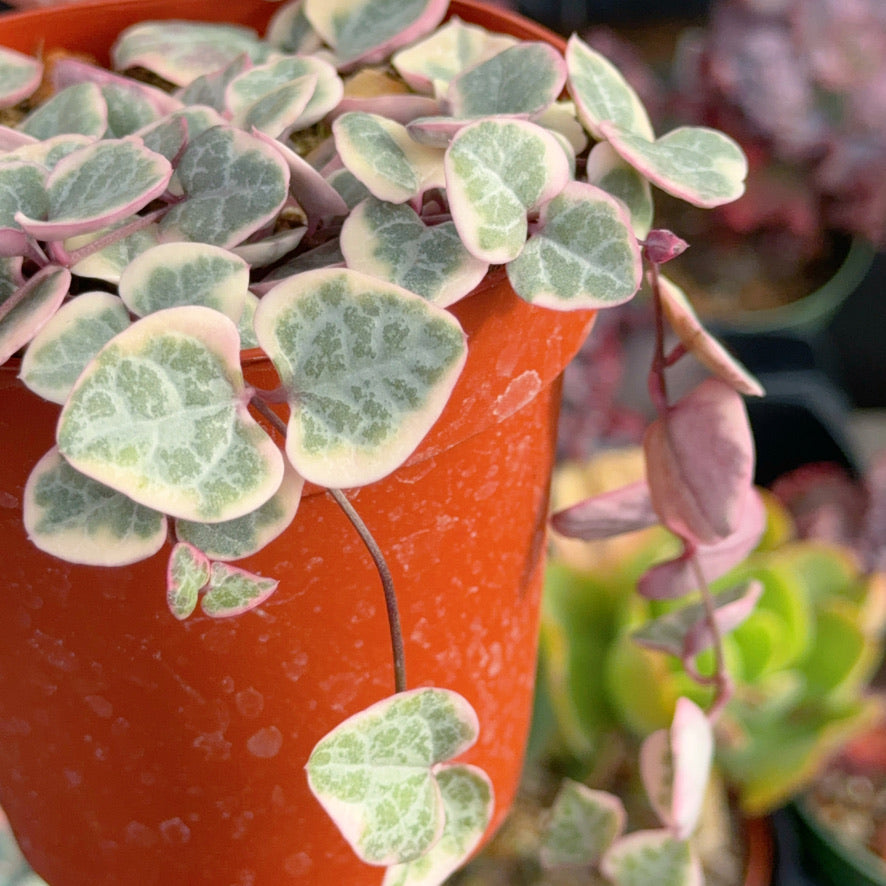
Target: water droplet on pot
x: 175, y: 831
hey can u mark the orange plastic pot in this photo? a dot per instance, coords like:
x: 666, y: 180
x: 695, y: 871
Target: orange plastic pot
x: 138, y: 750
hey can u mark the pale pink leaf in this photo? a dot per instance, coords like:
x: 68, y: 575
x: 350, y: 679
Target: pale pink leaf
x: 627, y: 509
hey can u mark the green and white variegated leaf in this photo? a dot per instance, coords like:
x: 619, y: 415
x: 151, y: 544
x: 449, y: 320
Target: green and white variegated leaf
x: 20, y: 75
x: 128, y: 110
x: 348, y: 186
x: 584, y: 254
x: 234, y: 185
x: 209, y: 89
x: 69, y: 340
x: 290, y: 31
x: 266, y: 251
x: 317, y: 78
x: 100, y: 184
x: 468, y: 804
x: 601, y: 93
x: 161, y: 415
x: 232, y: 591
x: 24, y: 311
x: 383, y: 156
x: 109, y: 262
x: 374, y: 774
x: 355, y: 29
x: 78, y: 519
x: 50, y: 151
x: 79, y: 109
x: 233, y: 539
x: 246, y: 327
x: 702, y: 166
x: 276, y: 113
x: 449, y: 50
x: 186, y: 575
x: 22, y: 190
x: 522, y: 80
x: 606, y: 169
x: 390, y: 241
x: 652, y: 856
x: 367, y: 367
x: 497, y: 172
x: 173, y: 274
x: 180, y: 51
x: 327, y: 255
x: 169, y: 135
x: 707, y: 350
x: 583, y: 824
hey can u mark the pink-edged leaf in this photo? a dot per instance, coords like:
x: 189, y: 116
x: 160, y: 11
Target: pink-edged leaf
x: 700, y: 463
x: 22, y: 190
x: 100, y: 184
x: 20, y: 76
x: 497, y: 172
x: 10, y: 139
x: 450, y: 49
x: 79, y: 109
x: 370, y: 30
x: 24, y: 312
x: 209, y: 89
x: 261, y: 251
x: 678, y: 577
x: 675, y: 765
x: 179, y: 51
x: 663, y: 246
x: 642, y: 858
x: 233, y: 591
x: 627, y: 509
x: 434, y: 131
x: 702, y: 166
x: 401, y: 107
x: 697, y: 340
x: 290, y: 31
x: 186, y: 575
x: 685, y: 632
x: 310, y: 189
x: 521, y: 80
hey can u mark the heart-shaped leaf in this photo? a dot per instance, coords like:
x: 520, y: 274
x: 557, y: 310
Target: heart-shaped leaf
x: 626, y: 509
x: 170, y: 135
x: 77, y: 109
x: 232, y: 591
x: 29, y: 307
x: 601, y: 92
x: 497, y: 172
x: 49, y: 151
x: 290, y: 31
x: 233, y: 539
x: 583, y: 824
x: 374, y: 774
x: 109, y: 262
x: 180, y: 51
x: 186, y: 575
x: 363, y: 29
x: 700, y: 463
x: 391, y: 242
x: 367, y: 366
x: 234, y: 185
x: 73, y: 517
x: 174, y: 274
x: 675, y: 765
x: 606, y: 170
x: 275, y: 112
x: 584, y: 254
x: 684, y: 321
x: 98, y: 185
x: 449, y: 50
x: 678, y: 577
x: 210, y: 89
x: 319, y: 79
x: 702, y: 166
x: 161, y: 415
x: 467, y: 804
x: 20, y: 76
x: 69, y: 340
x: 383, y: 156
x: 521, y: 80
x: 22, y: 191
x: 652, y: 856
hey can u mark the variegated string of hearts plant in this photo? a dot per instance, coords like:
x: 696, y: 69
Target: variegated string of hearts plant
x: 254, y: 202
